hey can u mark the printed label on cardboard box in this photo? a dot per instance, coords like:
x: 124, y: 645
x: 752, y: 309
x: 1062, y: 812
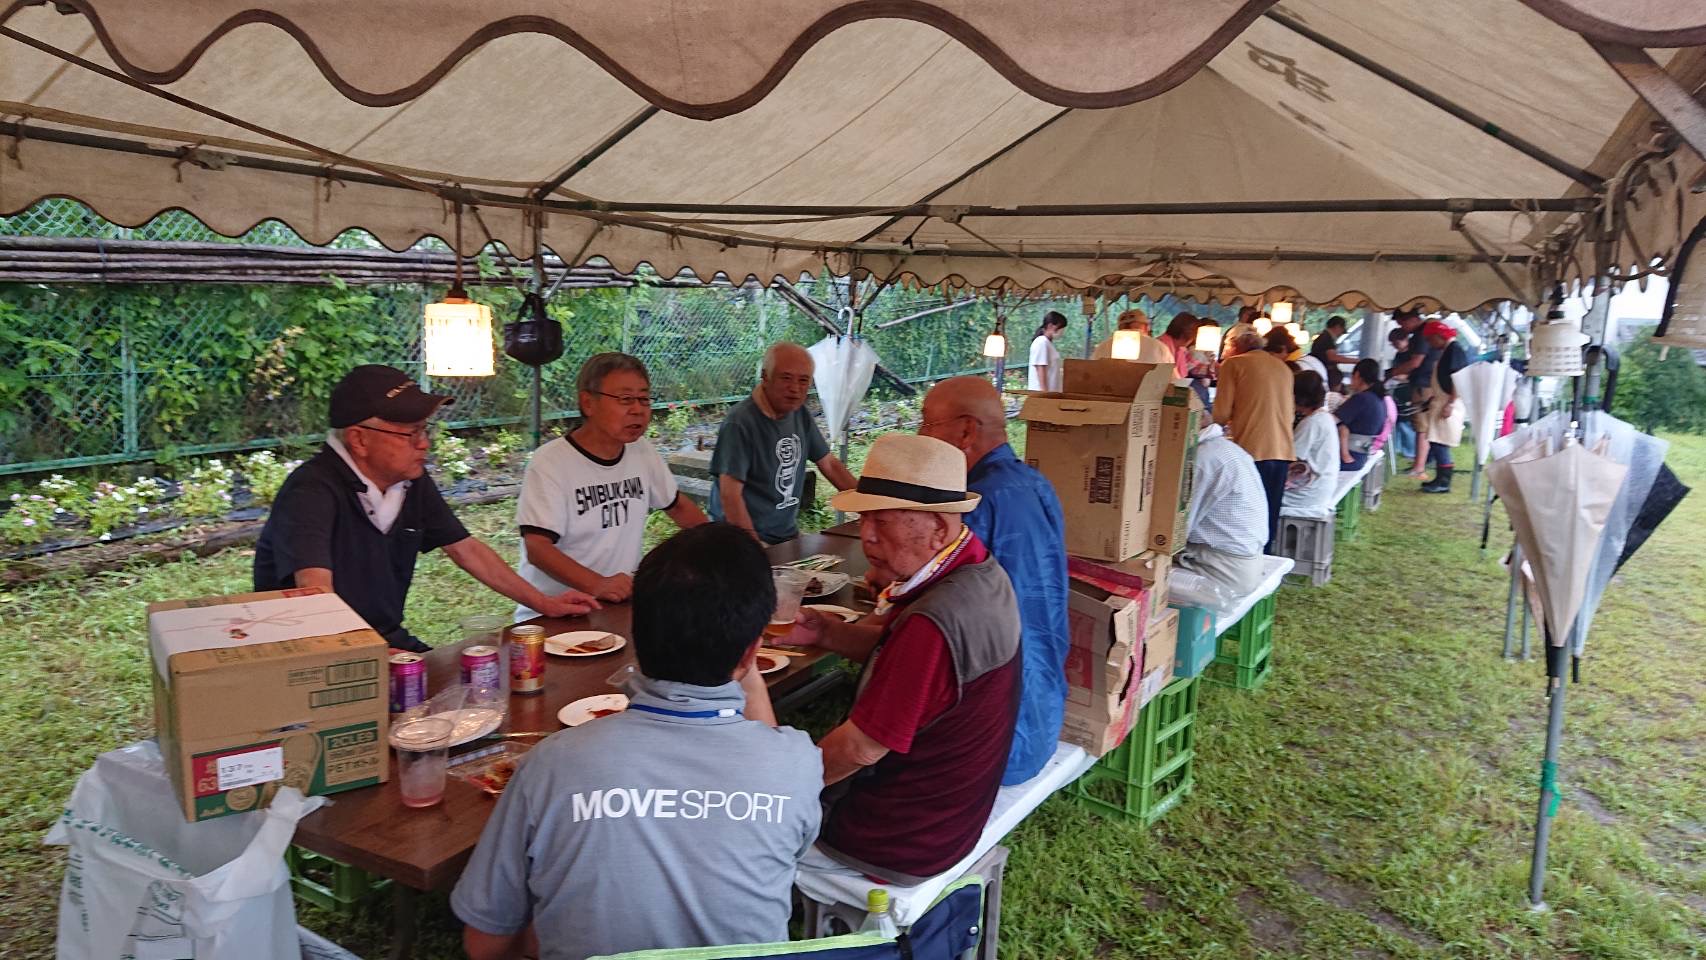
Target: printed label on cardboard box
x: 243, y: 769
x: 315, y: 762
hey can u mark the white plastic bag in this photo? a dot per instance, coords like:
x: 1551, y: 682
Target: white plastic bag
x: 142, y: 882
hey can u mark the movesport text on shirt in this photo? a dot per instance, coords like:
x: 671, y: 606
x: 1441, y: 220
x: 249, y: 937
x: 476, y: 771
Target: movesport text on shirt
x: 663, y: 803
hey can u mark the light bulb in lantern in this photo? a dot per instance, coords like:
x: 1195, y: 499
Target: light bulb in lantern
x: 1208, y: 338
x: 1128, y: 345
x: 1297, y: 333
x: 458, y: 337
x: 1263, y: 325
x: 995, y: 345
x: 1281, y: 312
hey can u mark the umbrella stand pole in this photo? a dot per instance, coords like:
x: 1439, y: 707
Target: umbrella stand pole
x: 1475, y: 481
x: 1510, y: 602
x: 1525, y: 653
x: 1549, y: 794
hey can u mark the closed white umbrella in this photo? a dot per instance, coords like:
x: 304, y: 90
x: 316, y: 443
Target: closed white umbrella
x: 844, y: 368
x: 1485, y: 387
x: 1559, y: 500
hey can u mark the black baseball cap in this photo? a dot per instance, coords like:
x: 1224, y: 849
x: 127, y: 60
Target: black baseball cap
x: 375, y: 390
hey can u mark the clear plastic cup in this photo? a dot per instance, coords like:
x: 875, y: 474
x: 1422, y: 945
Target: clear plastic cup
x: 790, y: 590
x: 422, y: 749
x: 488, y: 629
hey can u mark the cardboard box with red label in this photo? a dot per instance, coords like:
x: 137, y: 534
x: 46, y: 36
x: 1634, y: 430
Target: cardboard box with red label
x: 1148, y: 572
x: 1104, y: 667
x: 257, y: 691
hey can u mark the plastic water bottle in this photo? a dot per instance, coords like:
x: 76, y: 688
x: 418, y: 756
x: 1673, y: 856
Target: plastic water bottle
x: 877, y: 917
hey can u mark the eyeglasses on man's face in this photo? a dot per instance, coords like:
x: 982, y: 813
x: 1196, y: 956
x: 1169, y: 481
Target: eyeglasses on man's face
x: 628, y: 400
x: 424, y: 432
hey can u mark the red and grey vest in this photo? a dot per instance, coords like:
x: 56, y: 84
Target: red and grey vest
x: 913, y: 815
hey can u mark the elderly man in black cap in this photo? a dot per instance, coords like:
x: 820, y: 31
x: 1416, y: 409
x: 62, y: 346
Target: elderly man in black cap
x: 357, y: 514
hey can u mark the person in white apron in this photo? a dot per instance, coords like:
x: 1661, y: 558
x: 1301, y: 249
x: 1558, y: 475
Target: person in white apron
x: 1445, y: 414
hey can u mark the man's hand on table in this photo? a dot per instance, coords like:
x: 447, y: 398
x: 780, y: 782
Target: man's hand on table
x: 569, y: 603
x: 614, y: 589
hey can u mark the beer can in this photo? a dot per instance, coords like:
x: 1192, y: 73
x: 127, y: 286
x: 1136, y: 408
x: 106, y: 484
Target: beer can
x: 527, y: 659
x: 408, y: 681
x: 480, y: 667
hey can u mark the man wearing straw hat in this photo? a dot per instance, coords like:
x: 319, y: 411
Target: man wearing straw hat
x: 913, y: 771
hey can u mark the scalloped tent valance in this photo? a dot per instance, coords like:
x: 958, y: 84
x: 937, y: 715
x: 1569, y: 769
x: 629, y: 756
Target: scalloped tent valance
x: 824, y: 128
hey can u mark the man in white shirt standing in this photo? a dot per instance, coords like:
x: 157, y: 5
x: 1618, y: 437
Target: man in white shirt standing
x: 586, y: 495
x: 1228, y: 521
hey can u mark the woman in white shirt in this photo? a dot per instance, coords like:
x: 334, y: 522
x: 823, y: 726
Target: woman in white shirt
x: 1046, y: 370
x: 1314, y: 475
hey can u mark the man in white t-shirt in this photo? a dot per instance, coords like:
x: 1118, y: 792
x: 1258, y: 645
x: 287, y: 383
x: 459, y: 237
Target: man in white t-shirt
x: 586, y: 495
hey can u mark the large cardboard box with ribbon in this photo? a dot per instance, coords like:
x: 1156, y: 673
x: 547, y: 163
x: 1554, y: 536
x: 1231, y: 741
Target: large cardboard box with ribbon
x: 261, y: 690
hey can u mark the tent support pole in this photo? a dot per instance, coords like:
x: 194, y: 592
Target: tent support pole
x: 1511, y: 599
x: 1659, y: 90
x: 1558, y: 658
x: 1475, y: 120
x: 1526, y: 654
x: 1475, y: 481
x: 538, y: 391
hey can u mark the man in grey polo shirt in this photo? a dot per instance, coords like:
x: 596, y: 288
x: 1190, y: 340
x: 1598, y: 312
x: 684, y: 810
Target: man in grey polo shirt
x: 677, y: 823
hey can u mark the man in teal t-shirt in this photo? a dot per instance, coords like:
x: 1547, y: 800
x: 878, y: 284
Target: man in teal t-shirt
x: 763, y: 448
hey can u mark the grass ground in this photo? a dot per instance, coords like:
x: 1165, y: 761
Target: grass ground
x: 1374, y: 800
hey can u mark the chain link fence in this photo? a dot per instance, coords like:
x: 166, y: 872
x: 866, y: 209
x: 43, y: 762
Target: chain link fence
x: 112, y: 373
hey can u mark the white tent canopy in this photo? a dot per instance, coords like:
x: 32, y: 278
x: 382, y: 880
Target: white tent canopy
x: 713, y: 125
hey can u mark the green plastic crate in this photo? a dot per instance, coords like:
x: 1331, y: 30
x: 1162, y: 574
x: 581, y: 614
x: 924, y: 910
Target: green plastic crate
x: 1151, y: 772
x: 1347, y: 516
x: 329, y: 884
x: 1245, y: 656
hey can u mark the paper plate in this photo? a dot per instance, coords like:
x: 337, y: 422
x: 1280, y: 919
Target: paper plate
x: 590, y: 643
x: 770, y: 663
x: 847, y: 614
x: 471, y: 723
x: 588, y: 708
x: 828, y: 582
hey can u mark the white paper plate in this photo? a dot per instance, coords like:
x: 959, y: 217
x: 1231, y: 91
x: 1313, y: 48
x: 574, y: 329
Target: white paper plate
x: 582, y: 710
x: 472, y: 723
x: 562, y: 644
x: 774, y: 662
x: 828, y: 581
x: 847, y: 614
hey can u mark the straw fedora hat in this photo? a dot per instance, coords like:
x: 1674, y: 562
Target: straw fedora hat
x: 905, y: 471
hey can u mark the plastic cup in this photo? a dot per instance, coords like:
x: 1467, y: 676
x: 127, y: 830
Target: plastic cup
x: 790, y: 590
x: 484, y: 628
x: 488, y: 629
x: 422, y: 749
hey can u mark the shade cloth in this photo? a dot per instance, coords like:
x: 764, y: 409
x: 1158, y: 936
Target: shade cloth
x: 823, y: 103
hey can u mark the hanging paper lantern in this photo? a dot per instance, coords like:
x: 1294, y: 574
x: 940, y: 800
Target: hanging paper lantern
x: 457, y: 338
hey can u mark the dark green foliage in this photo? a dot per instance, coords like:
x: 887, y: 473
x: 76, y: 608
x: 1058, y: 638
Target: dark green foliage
x: 1654, y: 394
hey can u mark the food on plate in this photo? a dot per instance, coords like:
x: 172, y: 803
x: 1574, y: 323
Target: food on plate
x: 494, y: 778
x: 598, y: 645
x: 603, y: 713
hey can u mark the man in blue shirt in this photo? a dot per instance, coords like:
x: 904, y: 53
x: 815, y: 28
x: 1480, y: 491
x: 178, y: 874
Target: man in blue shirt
x: 1020, y: 521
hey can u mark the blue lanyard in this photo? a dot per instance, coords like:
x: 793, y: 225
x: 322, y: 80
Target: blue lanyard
x: 688, y: 714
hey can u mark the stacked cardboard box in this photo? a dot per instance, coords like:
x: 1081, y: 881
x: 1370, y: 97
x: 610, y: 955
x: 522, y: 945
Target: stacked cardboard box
x: 262, y: 690
x: 1117, y: 444
x: 1104, y: 667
